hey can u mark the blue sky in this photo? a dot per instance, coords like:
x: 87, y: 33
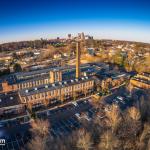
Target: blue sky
x: 104, y: 19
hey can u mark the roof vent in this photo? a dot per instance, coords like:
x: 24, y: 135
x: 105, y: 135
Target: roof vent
x: 65, y: 82
x: 77, y: 80
x: 11, y: 98
x: 46, y: 86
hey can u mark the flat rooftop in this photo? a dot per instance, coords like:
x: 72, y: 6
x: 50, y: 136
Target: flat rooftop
x: 50, y: 87
x: 9, y: 99
x: 67, y: 71
x: 141, y: 80
x: 146, y: 74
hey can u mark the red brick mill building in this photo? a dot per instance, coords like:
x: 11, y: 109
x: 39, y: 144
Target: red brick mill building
x: 45, y: 87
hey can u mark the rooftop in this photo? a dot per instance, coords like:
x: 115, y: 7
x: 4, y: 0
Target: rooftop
x: 9, y: 99
x: 68, y: 72
x: 141, y: 80
x: 49, y: 87
x: 146, y: 74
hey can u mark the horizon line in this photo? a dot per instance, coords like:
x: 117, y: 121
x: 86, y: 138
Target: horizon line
x: 112, y: 39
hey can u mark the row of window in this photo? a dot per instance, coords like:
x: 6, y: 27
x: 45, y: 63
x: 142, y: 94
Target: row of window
x: 57, y: 92
x: 32, y: 84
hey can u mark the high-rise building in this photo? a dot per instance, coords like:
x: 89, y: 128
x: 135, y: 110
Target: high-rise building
x: 69, y: 36
x: 79, y: 35
x: 82, y: 36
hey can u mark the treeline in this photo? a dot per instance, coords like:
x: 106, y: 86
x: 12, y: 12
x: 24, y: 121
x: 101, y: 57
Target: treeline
x: 108, y: 43
x: 129, y: 62
x: 42, y: 43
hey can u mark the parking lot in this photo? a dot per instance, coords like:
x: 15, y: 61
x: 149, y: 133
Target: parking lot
x: 122, y: 101
x: 15, y: 142
x: 62, y: 121
x: 120, y: 98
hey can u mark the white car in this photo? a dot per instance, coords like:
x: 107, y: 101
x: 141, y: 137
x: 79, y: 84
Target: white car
x: 120, y: 98
x: 101, y: 117
x: 48, y: 113
x: 74, y: 103
x: 77, y: 115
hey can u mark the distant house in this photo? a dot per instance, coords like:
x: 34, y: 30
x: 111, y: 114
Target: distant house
x: 66, y: 54
x: 112, y: 52
x: 141, y: 81
x: 36, y: 53
x: 120, y: 46
x: 57, y: 55
x: 147, y: 54
x: 6, y: 58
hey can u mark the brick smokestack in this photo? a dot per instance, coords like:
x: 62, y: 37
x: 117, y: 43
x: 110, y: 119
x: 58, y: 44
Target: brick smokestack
x: 77, y: 60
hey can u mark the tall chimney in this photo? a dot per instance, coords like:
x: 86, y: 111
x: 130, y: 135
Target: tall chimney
x: 77, y: 60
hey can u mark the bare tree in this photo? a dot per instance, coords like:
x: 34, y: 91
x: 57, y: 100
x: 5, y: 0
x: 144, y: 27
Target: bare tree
x: 108, y: 141
x: 144, y: 137
x: 114, y: 117
x: 41, y: 137
x: 84, y: 140
x: 71, y: 141
x: 134, y: 113
x: 40, y: 127
x: 37, y: 143
x: 48, y: 53
x: 148, y: 145
x: 144, y: 107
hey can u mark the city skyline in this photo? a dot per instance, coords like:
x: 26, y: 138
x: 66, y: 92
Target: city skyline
x: 113, y: 19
